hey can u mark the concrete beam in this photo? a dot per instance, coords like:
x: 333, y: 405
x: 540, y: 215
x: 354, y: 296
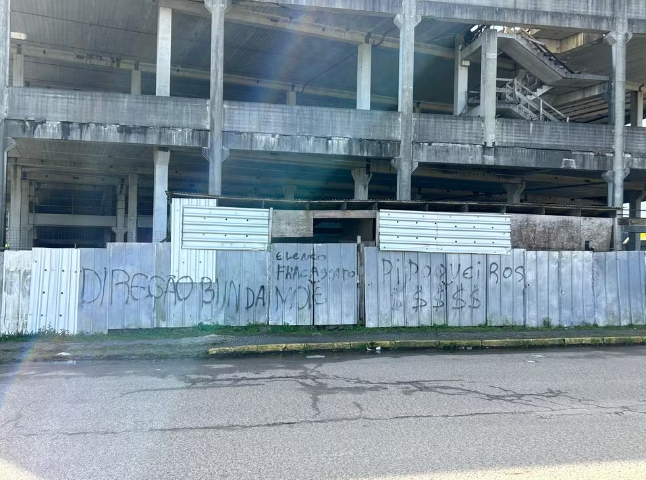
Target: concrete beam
x: 96, y: 221
x: 229, y: 79
x: 243, y: 117
x: 106, y: 108
x: 591, y: 16
x: 529, y: 158
x: 328, y: 32
x: 367, y: 7
x: 101, y: 133
x: 308, y: 144
x: 578, y: 95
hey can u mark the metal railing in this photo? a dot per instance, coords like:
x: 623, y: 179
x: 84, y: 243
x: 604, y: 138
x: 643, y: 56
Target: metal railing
x: 528, y: 103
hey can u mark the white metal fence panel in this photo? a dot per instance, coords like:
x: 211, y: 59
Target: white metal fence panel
x: 619, y: 288
x: 334, y: 283
x: 405, y: 231
x: 132, y: 285
x: 405, y: 288
x: 93, y: 305
x: 505, y: 279
x: 189, y: 262
x: 53, y: 302
x: 222, y: 228
x: 237, y: 295
x: 291, y: 272
x: 16, y: 292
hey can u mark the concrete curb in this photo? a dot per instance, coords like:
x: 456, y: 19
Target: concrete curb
x: 426, y: 345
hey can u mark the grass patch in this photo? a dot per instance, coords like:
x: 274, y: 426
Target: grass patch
x: 52, y: 335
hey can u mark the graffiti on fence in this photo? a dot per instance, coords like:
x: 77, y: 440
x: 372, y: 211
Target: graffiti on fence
x: 299, y: 282
x: 450, y: 285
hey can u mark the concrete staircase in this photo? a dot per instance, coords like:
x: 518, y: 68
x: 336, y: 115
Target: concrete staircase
x: 534, y: 57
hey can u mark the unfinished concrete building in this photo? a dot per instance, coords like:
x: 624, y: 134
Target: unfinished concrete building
x: 529, y: 107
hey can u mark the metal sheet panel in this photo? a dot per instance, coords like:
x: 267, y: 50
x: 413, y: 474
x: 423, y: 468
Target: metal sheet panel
x: 93, y: 307
x: 334, y: 281
x: 222, y: 228
x: 291, y: 271
x: 407, y: 231
x: 188, y: 262
x: 53, y: 304
x: 406, y: 288
x: 132, y: 285
x: 16, y: 292
x: 620, y: 290
x: 237, y: 295
x: 505, y: 282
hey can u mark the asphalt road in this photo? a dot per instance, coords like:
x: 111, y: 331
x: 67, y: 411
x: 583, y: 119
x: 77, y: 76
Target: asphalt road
x: 575, y: 413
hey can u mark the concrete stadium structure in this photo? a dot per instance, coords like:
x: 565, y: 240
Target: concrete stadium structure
x: 109, y: 104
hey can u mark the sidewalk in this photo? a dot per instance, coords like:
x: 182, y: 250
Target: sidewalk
x: 276, y: 341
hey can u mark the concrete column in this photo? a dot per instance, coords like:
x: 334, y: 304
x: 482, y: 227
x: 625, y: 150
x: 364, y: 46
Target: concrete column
x: 4, y: 160
x: 135, y: 82
x: 25, y: 230
x: 15, y: 207
x: 160, y: 203
x: 290, y: 98
x: 18, y: 70
x: 460, y: 79
x: 361, y: 182
x: 217, y: 154
x: 488, y: 84
x: 133, y: 191
x: 108, y: 200
x: 120, y: 230
x: 5, y: 55
x: 164, y: 42
x: 635, y: 205
x: 618, y: 40
x: 637, y: 109
x: 514, y: 191
x: 289, y: 192
x: 364, y: 76
x: 406, y: 21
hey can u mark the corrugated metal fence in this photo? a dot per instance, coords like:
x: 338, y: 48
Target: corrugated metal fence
x: 131, y: 286
x: 533, y: 289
